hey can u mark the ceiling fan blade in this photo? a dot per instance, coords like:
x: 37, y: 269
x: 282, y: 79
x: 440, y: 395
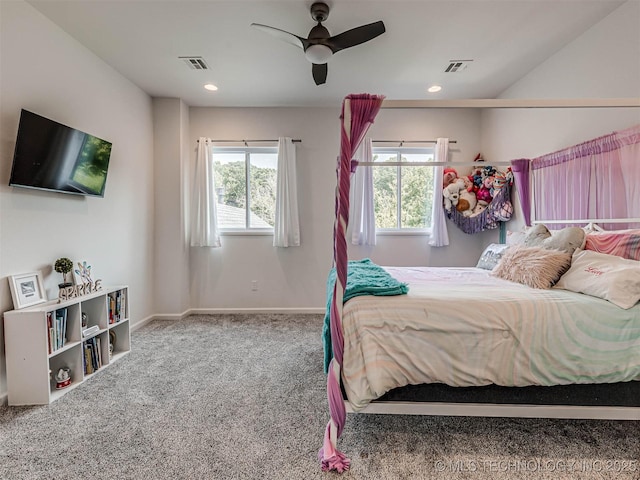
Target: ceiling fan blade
x: 282, y: 35
x: 319, y: 72
x: 355, y: 36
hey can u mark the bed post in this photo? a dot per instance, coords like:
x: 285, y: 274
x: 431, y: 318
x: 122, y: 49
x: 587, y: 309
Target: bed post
x: 358, y: 113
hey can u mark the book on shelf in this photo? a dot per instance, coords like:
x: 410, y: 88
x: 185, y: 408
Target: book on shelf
x: 85, y: 357
x: 92, y: 355
x: 99, y: 352
x: 62, y: 327
x: 116, y: 306
x: 56, y: 329
x: 49, y: 332
x: 111, y: 307
x: 86, y: 354
x: 122, y: 313
x: 63, y: 337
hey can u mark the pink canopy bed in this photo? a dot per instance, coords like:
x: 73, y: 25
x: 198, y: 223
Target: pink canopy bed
x: 470, y: 364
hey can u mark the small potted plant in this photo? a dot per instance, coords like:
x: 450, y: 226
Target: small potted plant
x: 64, y: 266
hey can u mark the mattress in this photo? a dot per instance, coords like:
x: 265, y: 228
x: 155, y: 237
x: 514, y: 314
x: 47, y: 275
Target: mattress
x: 463, y: 327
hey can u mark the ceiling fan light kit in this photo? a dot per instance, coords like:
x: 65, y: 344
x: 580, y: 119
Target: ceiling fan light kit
x: 318, y: 53
x: 320, y: 45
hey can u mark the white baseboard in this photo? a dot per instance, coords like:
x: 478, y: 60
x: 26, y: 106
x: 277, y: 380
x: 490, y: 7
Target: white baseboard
x: 225, y: 311
x: 168, y: 316
x: 4, y: 399
x: 292, y: 311
x: 141, y: 323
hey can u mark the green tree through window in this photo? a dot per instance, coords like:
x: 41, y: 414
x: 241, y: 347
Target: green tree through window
x: 402, y: 194
x: 246, y: 201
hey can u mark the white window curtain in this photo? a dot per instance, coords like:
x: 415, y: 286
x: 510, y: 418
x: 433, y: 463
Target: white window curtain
x: 204, y: 217
x: 439, y: 235
x: 286, y: 232
x: 363, y: 221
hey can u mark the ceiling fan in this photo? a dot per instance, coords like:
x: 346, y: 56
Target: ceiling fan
x: 320, y: 45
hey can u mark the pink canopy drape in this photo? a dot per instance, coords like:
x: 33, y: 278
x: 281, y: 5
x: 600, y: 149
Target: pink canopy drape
x: 597, y: 179
x: 358, y: 113
x: 520, y: 169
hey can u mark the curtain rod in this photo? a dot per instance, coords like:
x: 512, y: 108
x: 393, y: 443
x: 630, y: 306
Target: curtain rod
x: 409, y: 141
x: 434, y: 164
x: 591, y: 220
x: 295, y: 140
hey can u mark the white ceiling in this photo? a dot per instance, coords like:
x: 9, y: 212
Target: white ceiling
x: 142, y: 39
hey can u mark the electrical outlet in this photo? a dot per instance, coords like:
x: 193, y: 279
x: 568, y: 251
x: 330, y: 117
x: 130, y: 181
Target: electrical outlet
x: 254, y: 285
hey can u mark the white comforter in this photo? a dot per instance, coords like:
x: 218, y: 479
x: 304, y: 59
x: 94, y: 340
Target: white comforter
x: 464, y: 327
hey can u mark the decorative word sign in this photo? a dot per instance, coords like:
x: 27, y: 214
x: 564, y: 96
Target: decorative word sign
x: 75, y: 291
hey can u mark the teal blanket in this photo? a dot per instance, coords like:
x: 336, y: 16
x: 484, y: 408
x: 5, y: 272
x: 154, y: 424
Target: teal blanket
x: 363, y: 278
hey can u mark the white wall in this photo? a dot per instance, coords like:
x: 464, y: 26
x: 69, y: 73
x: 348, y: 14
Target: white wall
x: 295, y: 277
x: 128, y: 241
x: 171, y: 260
x: 48, y: 72
x: 604, y: 62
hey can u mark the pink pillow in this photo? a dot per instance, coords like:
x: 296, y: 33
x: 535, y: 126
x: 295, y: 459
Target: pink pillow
x: 621, y: 243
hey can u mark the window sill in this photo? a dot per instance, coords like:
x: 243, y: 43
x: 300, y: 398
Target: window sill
x: 248, y: 233
x: 401, y: 233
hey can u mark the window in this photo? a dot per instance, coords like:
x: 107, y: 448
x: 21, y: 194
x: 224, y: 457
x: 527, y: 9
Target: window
x: 246, y: 187
x: 402, y: 195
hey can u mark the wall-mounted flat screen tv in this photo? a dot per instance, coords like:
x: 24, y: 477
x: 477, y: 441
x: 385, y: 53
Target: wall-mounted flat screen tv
x: 52, y: 156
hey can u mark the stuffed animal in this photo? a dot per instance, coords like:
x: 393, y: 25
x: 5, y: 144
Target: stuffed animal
x: 484, y: 194
x: 488, y: 171
x: 477, y: 178
x: 499, y: 181
x: 450, y: 176
x: 462, y: 206
x: 468, y: 182
x: 451, y: 194
x: 479, y: 208
x: 470, y: 199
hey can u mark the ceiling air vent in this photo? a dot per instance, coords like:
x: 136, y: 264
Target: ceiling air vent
x: 457, y: 66
x: 195, y: 63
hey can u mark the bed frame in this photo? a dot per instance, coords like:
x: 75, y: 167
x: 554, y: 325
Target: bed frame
x: 571, y: 401
x: 611, y: 401
x: 615, y: 401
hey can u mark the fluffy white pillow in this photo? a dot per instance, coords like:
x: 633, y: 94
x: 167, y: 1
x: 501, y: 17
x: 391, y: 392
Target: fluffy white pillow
x: 535, y: 267
x: 604, y: 276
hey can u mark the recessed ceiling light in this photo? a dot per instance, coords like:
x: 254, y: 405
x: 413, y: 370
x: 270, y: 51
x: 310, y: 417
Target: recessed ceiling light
x: 211, y: 86
x: 434, y: 88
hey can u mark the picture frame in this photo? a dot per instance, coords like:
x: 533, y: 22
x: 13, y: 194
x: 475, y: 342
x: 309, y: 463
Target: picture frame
x: 27, y: 289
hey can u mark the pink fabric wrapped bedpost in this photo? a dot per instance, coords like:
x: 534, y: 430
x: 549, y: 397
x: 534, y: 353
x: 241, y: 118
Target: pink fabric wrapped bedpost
x: 520, y: 169
x: 358, y: 113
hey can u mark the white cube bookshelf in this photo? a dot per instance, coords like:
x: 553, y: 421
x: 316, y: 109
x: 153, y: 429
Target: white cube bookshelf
x: 34, y: 353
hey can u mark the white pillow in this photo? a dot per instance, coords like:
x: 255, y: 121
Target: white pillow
x: 491, y: 256
x: 604, y: 276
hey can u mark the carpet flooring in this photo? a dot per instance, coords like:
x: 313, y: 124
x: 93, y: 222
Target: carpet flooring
x: 243, y: 397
